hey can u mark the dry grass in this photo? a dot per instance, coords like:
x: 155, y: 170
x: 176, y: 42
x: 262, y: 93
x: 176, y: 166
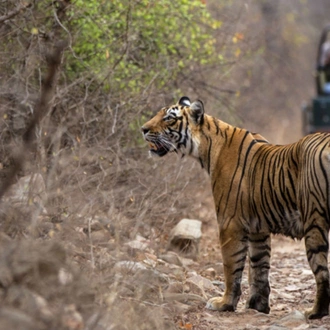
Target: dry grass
x: 64, y: 231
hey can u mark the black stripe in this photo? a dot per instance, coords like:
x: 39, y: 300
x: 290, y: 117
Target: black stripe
x: 326, y: 179
x: 322, y: 231
x: 243, y: 250
x: 232, y: 136
x: 264, y: 265
x: 317, y: 250
x: 262, y: 247
x: 209, y: 156
x: 201, y: 162
x: 258, y: 240
x: 209, y: 141
x: 216, y: 126
x: 218, y: 204
x: 240, y: 269
x: 320, y: 269
x: 259, y: 256
x: 245, y: 160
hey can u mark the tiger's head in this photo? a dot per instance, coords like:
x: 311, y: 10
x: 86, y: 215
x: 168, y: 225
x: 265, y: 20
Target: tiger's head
x: 175, y: 128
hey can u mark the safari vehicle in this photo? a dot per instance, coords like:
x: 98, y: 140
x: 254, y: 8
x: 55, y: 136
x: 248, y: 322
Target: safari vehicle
x: 316, y: 115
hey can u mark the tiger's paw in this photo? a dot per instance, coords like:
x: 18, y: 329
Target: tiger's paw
x: 218, y: 304
x: 258, y: 303
x: 311, y: 314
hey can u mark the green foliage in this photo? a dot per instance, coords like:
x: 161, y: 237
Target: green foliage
x: 122, y: 55
x: 130, y: 44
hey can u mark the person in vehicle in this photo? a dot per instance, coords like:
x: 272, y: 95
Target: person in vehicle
x: 324, y: 68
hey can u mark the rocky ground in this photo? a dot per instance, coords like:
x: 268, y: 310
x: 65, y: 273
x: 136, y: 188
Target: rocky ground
x: 292, y: 292
x: 191, y: 283
x: 78, y: 273
x: 184, y: 285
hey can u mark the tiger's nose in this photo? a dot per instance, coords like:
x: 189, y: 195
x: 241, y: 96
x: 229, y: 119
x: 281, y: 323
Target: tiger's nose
x: 145, y: 130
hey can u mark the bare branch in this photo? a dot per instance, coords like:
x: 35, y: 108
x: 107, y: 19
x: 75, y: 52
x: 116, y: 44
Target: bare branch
x: 40, y: 110
x: 15, y: 12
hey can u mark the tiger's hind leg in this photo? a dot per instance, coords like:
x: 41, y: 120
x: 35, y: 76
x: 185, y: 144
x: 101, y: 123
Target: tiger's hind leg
x: 259, y: 257
x: 234, y: 247
x: 317, y: 246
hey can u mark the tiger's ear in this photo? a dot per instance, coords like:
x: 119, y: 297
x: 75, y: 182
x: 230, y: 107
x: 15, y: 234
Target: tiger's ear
x: 184, y: 101
x: 197, y: 111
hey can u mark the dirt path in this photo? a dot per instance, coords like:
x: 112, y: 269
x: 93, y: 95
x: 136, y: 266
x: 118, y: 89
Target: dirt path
x: 292, y: 291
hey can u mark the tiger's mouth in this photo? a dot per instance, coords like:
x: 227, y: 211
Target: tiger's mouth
x: 159, y: 150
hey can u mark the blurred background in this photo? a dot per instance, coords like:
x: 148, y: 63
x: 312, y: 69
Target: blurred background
x: 251, y: 62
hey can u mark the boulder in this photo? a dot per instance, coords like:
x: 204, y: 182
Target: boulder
x: 185, y: 237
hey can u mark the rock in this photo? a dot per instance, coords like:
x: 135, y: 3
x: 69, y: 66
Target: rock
x: 196, y: 288
x: 185, y: 237
x: 218, y: 267
x: 187, y: 262
x: 302, y: 327
x: 177, y: 287
x: 142, y: 284
x: 210, y: 272
x: 14, y: 319
x: 28, y: 301
x: 150, y: 256
x: 307, y: 272
x: 100, y: 236
x: 72, y: 319
x: 43, y: 307
x: 284, y: 295
x: 280, y: 307
x: 173, y: 271
x: 177, y: 273
x: 64, y: 277
x: 192, y: 273
x: 137, y: 245
x: 151, y: 277
x: 294, y: 319
x: 187, y: 287
x: 149, y: 284
x: 220, y: 285
x: 202, y: 282
x: 181, y: 308
x: 292, y: 288
x: 186, y: 298
x: 150, y: 262
x: 127, y: 266
x: 171, y: 258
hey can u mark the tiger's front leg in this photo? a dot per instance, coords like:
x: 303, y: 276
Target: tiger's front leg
x: 234, y: 247
x: 259, y: 255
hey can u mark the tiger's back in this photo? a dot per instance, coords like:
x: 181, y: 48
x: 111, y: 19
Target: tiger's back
x: 269, y: 184
x: 258, y: 189
x: 288, y: 184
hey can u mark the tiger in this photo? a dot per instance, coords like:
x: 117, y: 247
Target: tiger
x: 258, y: 189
